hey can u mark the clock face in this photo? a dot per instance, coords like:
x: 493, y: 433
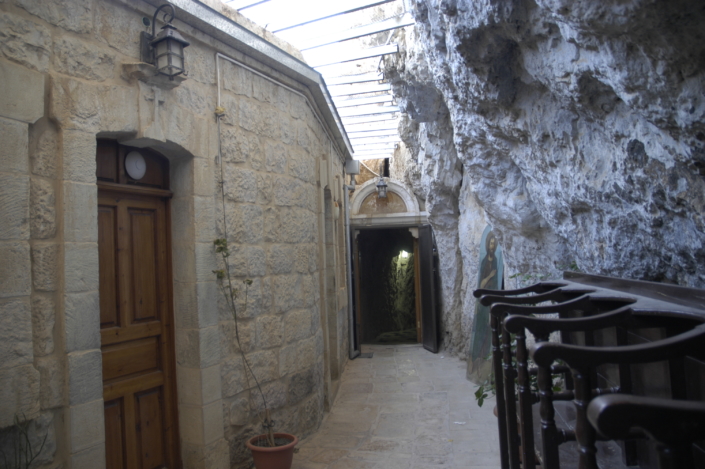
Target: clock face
x: 135, y: 165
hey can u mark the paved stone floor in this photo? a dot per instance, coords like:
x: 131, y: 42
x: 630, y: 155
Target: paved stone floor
x: 405, y: 408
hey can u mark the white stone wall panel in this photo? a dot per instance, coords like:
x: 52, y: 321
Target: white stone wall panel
x: 42, y: 209
x: 16, y: 332
x: 67, y: 14
x: 82, y: 321
x: 24, y: 41
x: 43, y: 321
x: 14, y: 150
x: 79, y: 149
x: 86, y: 424
x: 79, y: 220
x: 14, y: 206
x: 52, y: 380
x: 72, y: 56
x: 21, y: 93
x: 19, y: 393
x: 45, y: 266
x: 15, y: 270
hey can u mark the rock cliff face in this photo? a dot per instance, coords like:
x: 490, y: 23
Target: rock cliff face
x: 576, y: 128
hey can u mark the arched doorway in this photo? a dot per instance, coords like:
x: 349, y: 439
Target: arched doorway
x: 394, y: 268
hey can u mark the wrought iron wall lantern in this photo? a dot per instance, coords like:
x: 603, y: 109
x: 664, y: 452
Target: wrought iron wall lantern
x: 166, y: 49
x: 381, y: 188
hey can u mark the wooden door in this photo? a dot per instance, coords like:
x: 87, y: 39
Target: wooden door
x: 417, y: 292
x: 357, y: 305
x: 141, y: 429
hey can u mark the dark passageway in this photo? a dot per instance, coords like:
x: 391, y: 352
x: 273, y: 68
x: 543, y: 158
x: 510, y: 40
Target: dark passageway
x: 387, y: 286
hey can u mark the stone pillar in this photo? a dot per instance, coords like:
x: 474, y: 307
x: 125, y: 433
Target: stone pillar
x: 27, y: 267
x: 81, y: 306
x: 198, y: 354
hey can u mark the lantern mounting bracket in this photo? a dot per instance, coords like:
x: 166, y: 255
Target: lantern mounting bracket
x: 164, y: 20
x: 164, y: 50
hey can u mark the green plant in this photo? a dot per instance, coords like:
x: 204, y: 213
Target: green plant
x: 485, y: 389
x: 23, y: 452
x: 231, y: 294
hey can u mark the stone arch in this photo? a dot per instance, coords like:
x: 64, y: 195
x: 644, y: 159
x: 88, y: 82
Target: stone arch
x: 411, y: 215
x: 369, y: 188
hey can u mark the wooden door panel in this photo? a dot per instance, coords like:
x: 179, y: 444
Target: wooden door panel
x: 149, y: 428
x: 129, y: 358
x: 136, y: 334
x: 143, y: 243
x: 114, y: 434
x: 136, y: 331
x: 132, y: 385
x: 107, y: 249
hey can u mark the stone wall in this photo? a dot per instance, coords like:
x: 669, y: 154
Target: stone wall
x: 574, y: 128
x: 279, y: 223
x: 69, y: 74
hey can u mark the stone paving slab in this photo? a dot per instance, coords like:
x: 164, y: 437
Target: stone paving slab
x: 404, y: 408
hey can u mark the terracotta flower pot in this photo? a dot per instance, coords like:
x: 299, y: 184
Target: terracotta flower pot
x: 277, y: 457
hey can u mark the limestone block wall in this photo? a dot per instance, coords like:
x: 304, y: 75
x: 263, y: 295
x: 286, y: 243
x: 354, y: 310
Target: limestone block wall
x: 31, y: 364
x: 68, y: 76
x: 280, y: 226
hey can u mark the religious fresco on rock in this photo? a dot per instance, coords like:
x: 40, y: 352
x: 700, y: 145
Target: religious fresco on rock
x: 490, y: 275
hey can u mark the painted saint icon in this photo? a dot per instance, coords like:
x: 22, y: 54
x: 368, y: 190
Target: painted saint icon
x: 490, y: 277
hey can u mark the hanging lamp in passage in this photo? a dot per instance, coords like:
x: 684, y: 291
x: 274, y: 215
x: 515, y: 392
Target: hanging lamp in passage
x: 381, y: 188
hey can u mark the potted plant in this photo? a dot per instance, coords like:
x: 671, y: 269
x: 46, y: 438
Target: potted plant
x: 270, y: 450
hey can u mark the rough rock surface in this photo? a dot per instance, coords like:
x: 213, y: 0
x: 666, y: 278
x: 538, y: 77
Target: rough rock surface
x: 574, y: 127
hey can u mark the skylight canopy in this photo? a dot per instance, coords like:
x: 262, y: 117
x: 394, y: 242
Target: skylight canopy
x: 344, y: 40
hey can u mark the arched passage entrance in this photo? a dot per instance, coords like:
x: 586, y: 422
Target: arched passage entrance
x: 394, y: 266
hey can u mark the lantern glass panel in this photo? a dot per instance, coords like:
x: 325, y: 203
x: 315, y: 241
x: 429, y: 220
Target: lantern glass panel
x: 176, y: 60
x: 162, y: 47
x: 162, y: 54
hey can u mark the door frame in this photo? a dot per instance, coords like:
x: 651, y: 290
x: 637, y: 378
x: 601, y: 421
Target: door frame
x: 113, y: 181
x: 357, y: 308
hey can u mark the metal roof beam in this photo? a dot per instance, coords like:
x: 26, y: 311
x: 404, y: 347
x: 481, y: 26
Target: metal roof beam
x: 372, y: 125
x: 377, y: 148
x: 334, y: 9
x: 377, y: 155
x: 374, y: 133
x: 388, y: 152
x: 350, y: 121
x: 371, y: 157
x: 386, y: 98
x: 355, y: 112
x: 355, y: 142
x: 354, y: 33
x: 349, y: 79
x: 335, y: 58
x: 350, y: 90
